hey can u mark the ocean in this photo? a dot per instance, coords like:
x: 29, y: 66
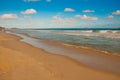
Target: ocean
x: 103, y: 40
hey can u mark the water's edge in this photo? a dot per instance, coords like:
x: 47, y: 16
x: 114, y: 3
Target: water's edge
x: 96, y: 41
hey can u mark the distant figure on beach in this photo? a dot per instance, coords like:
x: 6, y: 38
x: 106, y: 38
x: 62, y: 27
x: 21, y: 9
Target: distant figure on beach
x: 2, y: 29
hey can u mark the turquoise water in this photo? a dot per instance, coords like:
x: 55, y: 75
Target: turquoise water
x: 109, y: 42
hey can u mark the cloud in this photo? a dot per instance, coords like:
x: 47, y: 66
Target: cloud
x: 87, y: 11
x: 29, y: 11
x: 85, y: 17
x: 69, y: 10
x: 9, y: 16
x: 48, y: 0
x: 31, y: 0
x: 116, y: 12
x: 110, y: 17
x: 59, y: 19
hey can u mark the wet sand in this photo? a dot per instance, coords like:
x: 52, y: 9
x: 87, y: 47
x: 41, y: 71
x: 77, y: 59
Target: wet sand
x: 22, y: 61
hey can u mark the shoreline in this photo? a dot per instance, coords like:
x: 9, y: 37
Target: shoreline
x: 101, y: 60
x: 105, y: 51
x: 35, y: 64
x: 68, y: 44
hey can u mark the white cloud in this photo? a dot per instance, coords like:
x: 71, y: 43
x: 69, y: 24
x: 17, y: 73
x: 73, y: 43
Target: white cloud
x: 110, y: 17
x: 116, y: 12
x: 88, y: 11
x: 48, y: 0
x: 85, y: 17
x: 29, y: 11
x: 59, y: 19
x: 31, y: 0
x: 9, y: 16
x: 69, y: 10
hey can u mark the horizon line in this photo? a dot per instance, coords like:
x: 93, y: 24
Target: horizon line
x: 71, y: 28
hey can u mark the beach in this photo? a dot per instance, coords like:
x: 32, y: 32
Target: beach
x: 22, y: 61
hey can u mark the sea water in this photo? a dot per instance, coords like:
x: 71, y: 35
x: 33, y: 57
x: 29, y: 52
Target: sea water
x: 108, y: 41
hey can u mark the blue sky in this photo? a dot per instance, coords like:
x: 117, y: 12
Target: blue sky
x: 60, y: 13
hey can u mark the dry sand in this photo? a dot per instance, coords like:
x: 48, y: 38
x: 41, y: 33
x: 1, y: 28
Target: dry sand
x: 21, y: 61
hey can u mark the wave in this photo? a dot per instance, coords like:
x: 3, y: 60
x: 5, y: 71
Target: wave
x: 105, y: 34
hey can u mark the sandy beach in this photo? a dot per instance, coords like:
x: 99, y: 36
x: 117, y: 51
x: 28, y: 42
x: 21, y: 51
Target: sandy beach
x: 22, y: 61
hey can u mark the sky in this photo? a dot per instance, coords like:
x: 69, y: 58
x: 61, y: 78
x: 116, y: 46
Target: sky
x: 60, y: 13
